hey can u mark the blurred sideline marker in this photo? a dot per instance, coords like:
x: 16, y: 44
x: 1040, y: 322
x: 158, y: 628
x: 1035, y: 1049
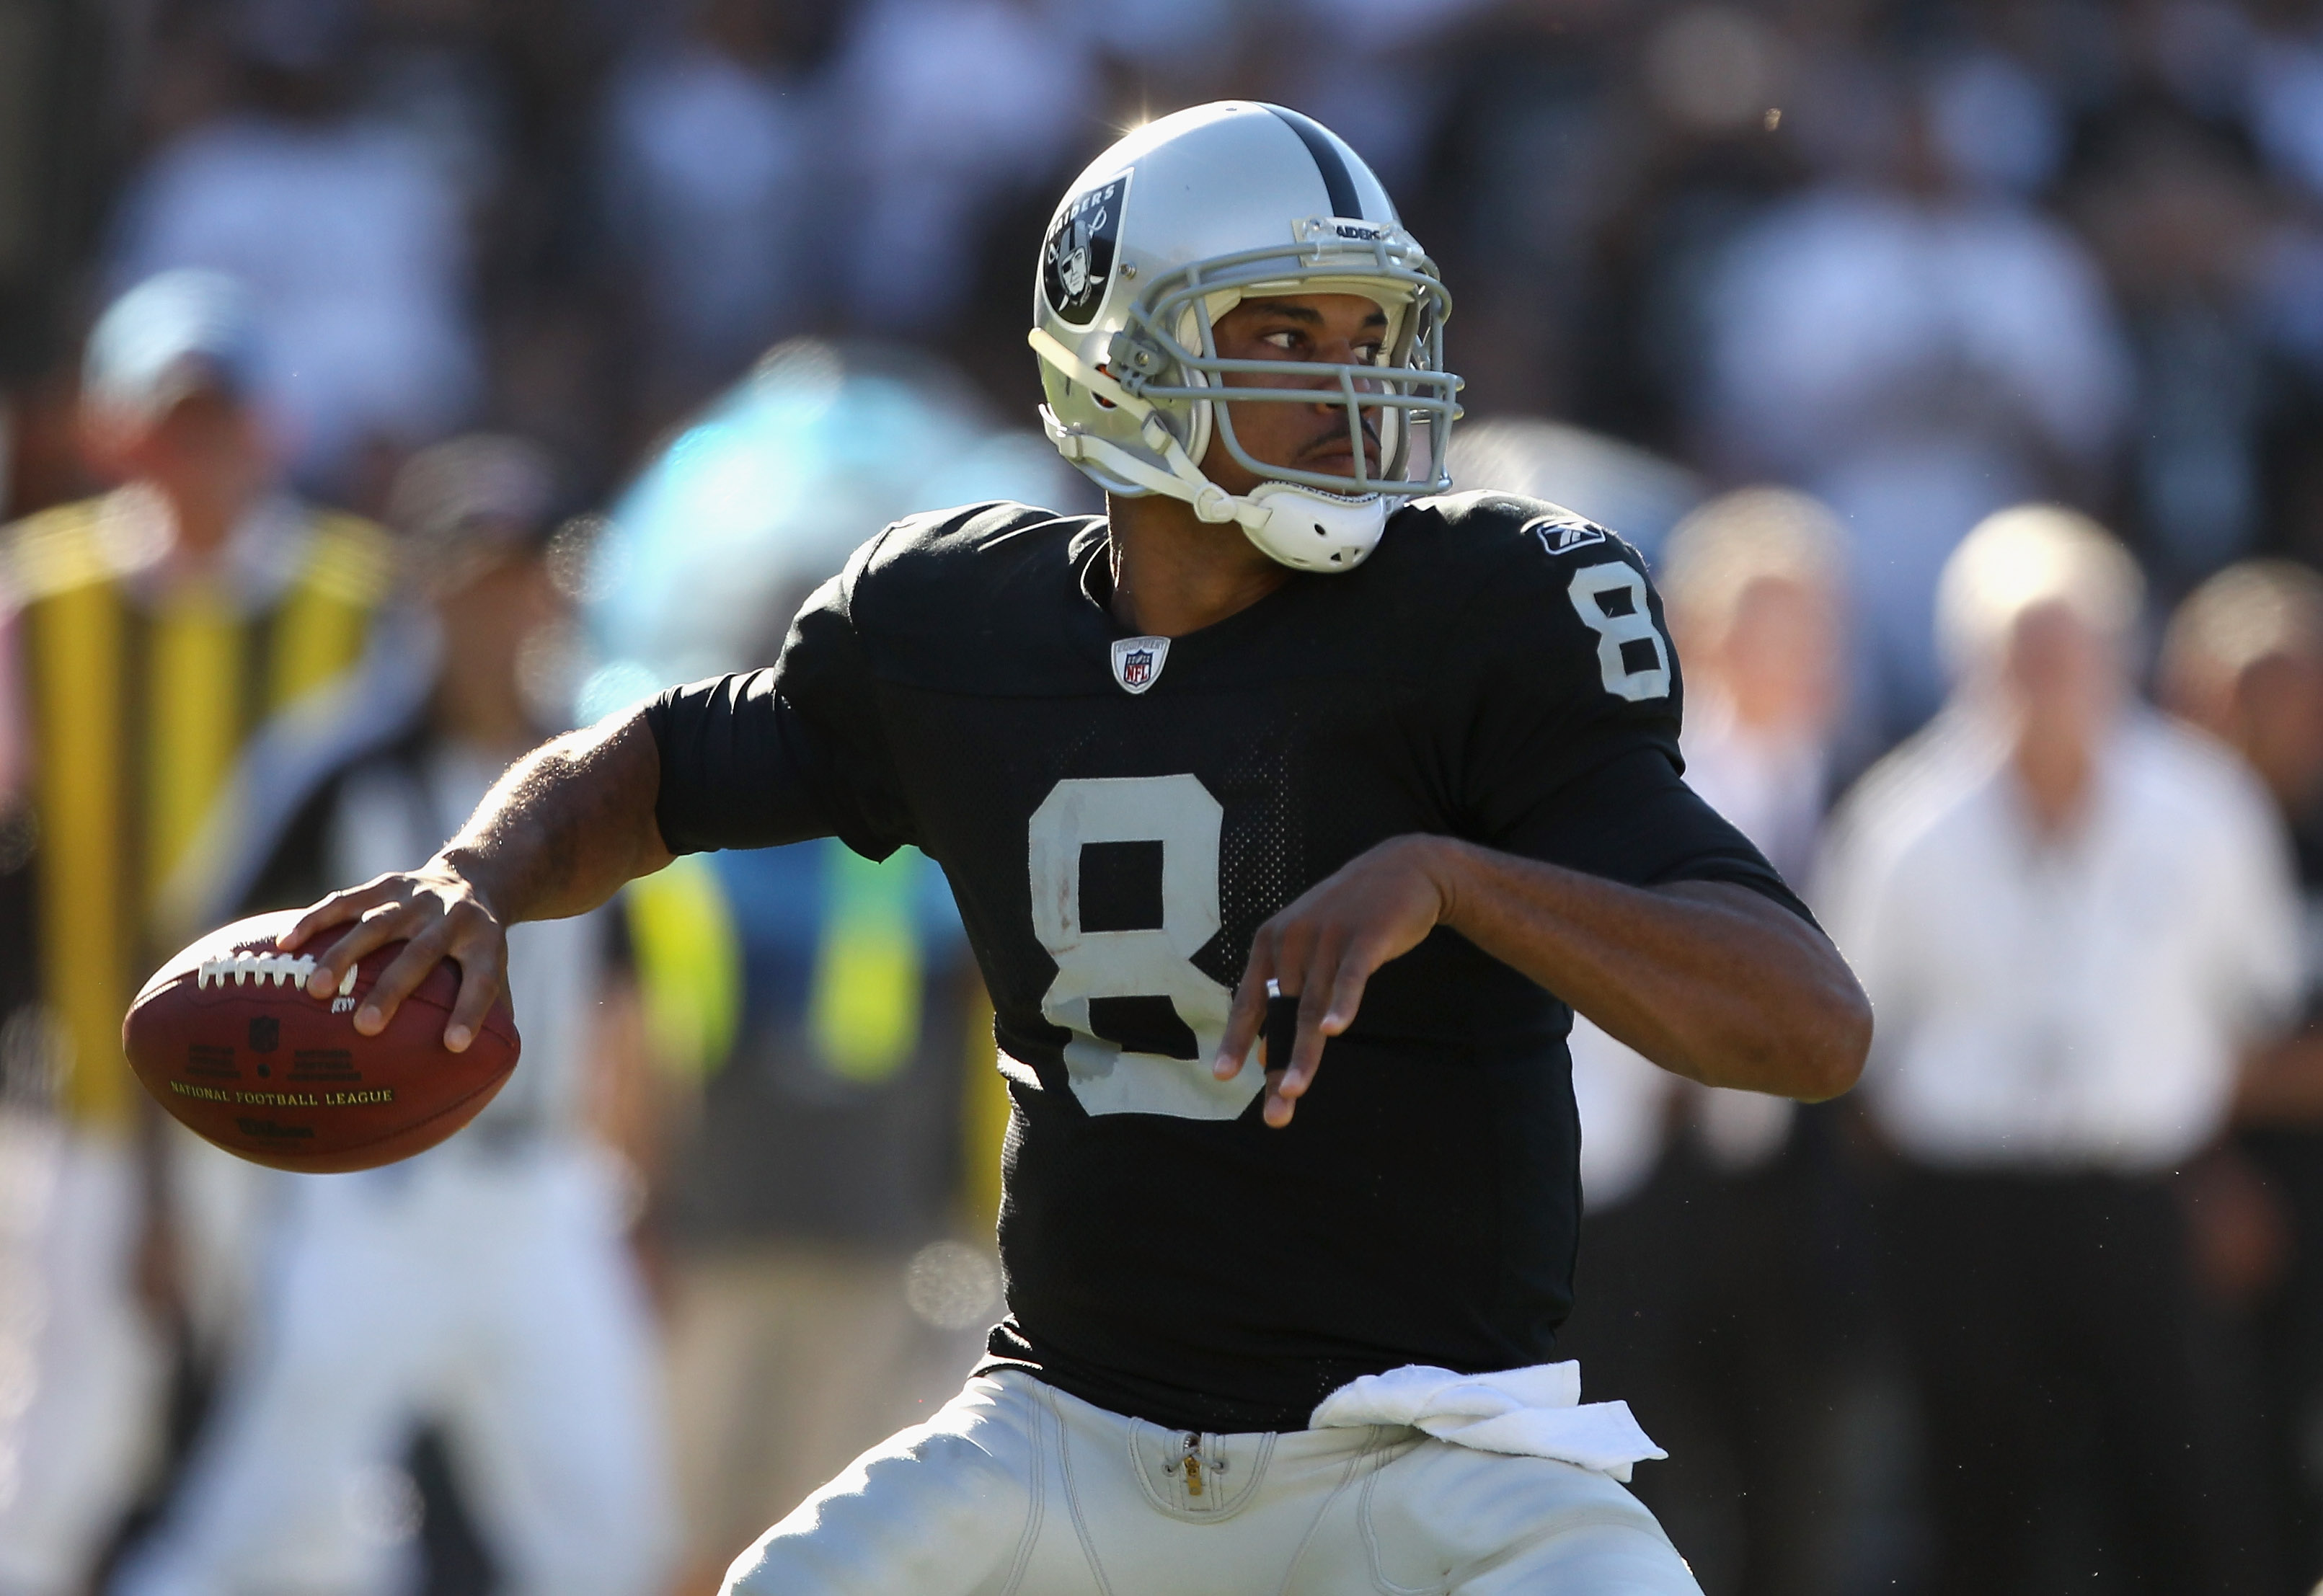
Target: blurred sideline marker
x: 863, y: 1010
x: 689, y: 964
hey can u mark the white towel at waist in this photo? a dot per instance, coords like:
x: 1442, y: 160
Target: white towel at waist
x: 1535, y: 1412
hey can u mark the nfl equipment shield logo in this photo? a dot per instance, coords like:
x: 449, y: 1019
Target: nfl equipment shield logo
x: 1137, y: 662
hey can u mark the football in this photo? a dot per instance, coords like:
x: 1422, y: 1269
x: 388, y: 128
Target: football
x: 227, y: 1038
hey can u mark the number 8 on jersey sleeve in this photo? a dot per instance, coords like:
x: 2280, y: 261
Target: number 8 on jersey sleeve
x: 1618, y: 633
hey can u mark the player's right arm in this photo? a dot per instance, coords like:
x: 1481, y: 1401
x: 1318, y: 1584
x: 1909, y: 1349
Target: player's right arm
x: 777, y: 756
x: 557, y: 835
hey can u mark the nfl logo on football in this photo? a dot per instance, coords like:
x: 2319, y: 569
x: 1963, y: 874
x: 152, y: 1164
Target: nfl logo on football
x: 1137, y: 662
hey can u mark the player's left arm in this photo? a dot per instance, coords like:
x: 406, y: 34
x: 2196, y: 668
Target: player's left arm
x: 1587, y: 864
x: 1706, y: 978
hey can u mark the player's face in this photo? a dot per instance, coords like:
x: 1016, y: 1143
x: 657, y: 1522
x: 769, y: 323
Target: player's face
x: 1327, y: 329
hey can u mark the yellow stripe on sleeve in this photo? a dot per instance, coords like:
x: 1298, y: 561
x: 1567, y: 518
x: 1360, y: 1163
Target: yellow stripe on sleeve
x: 77, y: 638
x: 319, y: 631
x: 194, y: 722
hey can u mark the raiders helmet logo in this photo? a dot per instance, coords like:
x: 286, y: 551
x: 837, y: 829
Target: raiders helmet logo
x: 1561, y: 536
x: 1137, y: 662
x: 1076, y: 259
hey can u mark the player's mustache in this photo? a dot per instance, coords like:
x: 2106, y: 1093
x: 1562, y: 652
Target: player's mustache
x: 1336, y: 435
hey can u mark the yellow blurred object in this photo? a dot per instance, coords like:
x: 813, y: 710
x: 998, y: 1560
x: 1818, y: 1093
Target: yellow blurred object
x: 144, y: 697
x: 689, y: 958
x: 983, y: 1112
x: 863, y: 1013
x: 195, y: 727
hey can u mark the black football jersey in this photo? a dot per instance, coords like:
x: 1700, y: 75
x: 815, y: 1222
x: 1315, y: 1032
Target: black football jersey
x: 1117, y: 815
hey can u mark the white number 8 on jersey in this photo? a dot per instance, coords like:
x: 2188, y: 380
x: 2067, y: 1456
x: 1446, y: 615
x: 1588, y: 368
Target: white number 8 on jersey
x: 1587, y: 591
x: 1180, y: 814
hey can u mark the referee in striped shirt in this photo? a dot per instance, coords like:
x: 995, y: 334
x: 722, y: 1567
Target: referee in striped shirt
x: 147, y: 637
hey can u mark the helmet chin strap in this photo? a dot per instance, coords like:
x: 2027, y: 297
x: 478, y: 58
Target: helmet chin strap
x: 1301, y: 526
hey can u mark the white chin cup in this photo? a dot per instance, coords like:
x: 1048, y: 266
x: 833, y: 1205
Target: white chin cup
x: 1310, y: 530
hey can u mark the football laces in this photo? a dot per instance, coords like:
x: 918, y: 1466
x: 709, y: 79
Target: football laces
x: 279, y: 968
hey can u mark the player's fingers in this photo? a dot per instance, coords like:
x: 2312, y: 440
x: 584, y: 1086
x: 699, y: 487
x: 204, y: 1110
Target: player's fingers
x: 335, y: 910
x: 1347, y: 983
x: 484, y: 968
x: 1276, y: 1109
x: 402, y: 977
x: 1249, y: 1011
x: 379, y: 925
x: 1315, y: 991
x: 1294, y: 948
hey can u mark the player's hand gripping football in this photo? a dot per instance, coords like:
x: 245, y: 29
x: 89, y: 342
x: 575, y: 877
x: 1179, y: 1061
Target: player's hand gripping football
x: 1324, y: 947
x: 438, y: 915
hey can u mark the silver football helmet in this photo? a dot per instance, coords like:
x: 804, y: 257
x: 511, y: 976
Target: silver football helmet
x: 1168, y: 230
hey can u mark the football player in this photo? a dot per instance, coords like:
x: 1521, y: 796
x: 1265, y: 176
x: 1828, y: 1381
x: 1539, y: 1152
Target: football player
x: 1285, y: 744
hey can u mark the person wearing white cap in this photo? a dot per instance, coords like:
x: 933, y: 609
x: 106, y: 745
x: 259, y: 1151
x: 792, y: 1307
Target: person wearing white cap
x: 2075, y: 920
x: 1712, y: 1304
x: 484, y: 1288
x: 155, y: 630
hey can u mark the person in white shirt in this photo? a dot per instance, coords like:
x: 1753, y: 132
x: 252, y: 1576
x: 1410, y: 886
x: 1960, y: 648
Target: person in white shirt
x: 2074, y: 918
x: 2243, y: 659
x: 1917, y: 348
x: 483, y: 1289
x: 349, y: 232
x: 1709, y: 1308
x: 712, y: 185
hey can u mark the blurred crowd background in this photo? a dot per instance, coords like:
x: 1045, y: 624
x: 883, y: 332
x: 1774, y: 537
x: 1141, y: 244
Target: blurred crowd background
x: 554, y: 349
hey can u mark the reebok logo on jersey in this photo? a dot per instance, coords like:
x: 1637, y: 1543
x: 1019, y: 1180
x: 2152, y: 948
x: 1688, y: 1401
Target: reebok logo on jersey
x: 1562, y: 537
x: 1137, y: 662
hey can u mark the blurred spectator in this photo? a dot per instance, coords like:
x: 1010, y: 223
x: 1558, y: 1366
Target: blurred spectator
x: 1704, y: 1302
x: 2181, y: 226
x: 719, y: 192
x: 1353, y: 69
x: 818, y: 1302
x: 1613, y: 484
x: 155, y: 630
x: 1756, y: 582
x: 2285, y: 89
x: 1530, y: 155
x: 483, y: 1285
x: 2244, y: 660
x: 823, y: 1291
x: 936, y: 145
x: 1917, y: 351
x: 839, y: 1154
x: 2073, y: 919
x: 347, y: 230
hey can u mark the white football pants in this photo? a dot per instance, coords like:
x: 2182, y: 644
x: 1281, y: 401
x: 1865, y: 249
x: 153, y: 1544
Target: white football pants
x: 82, y: 1368
x: 491, y: 1294
x: 1016, y: 1489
